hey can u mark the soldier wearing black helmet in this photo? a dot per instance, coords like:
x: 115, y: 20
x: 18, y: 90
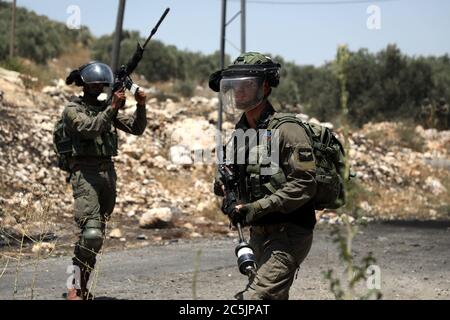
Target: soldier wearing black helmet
x: 92, y: 128
x: 278, y: 206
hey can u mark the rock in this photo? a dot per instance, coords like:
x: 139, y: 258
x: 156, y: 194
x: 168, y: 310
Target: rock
x: 314, y: 121
x: 213, y: 117
x: 195, y: 235
x: 188, y: 225
x: 8, y: 221
x: 142, y: 237
x: 43, y: 247
x: 115, y: 233
x: 180, y: 155
x: 157, y: 218
x: 159, y: 162
x: 11, y: 76
x: 364, y: 205
x: 328, y: 125
x: 172, y: 167
x: 302, y: 116
x: 227, y: 126
x: 434, y: 186
x: 205, y: 205
x: 193, y: 134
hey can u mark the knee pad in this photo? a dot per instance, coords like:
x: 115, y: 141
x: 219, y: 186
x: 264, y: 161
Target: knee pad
x: 92, y: 236
x: 92, y: 239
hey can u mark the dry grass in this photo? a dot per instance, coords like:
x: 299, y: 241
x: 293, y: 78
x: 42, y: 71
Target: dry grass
x: 69, y: 60
x: 397, y: 135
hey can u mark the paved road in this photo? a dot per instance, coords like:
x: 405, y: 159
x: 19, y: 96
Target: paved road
x: 414, y: 260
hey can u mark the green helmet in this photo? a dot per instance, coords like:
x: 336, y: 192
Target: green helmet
x: 252, y: 58
x: 252, y: 64
x: 241, y: 85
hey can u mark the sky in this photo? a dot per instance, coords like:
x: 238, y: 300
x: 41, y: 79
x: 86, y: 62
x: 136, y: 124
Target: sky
x: 305, y: 32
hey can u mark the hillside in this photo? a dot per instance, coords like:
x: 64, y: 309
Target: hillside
x: 402, y: 171
x: 387, y: 84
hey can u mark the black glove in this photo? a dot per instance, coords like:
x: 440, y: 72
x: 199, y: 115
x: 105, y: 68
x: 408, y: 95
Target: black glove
x: 238, y: 216
x: 245, y: 215
x: 218, y: 188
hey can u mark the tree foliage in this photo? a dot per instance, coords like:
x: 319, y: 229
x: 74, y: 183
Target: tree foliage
x: 387, y: 85
x: 37, y: 37
x: 160, y: 62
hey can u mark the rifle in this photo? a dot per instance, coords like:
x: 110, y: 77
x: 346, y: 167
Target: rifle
x: 230, y: 182
x: 244, y: 252
x: 122, y: 77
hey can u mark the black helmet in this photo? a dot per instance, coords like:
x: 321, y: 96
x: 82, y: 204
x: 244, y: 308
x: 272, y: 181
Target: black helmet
x: 92, y: 72
x: 251, y: 64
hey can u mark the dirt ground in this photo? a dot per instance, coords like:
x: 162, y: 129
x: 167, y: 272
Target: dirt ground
x: 413, y: 258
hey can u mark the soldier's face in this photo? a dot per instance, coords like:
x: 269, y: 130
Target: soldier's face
x: 241, y: 93
x: 94, y: 89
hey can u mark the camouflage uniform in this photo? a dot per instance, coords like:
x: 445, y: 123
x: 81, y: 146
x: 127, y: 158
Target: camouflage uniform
x: 426, y: 114
x: 442, y: 115
x: 93, y: 177
x: 282, y: 231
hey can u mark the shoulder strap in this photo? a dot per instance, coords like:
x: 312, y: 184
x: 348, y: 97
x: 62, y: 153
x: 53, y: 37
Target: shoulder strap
x: 281, y: 118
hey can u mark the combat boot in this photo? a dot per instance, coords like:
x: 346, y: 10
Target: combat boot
x: 84, y: 291
x: 73, y: 294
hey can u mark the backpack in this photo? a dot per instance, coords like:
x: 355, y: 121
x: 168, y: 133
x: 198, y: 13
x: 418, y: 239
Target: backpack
x: 62, y: 144
x: 329, y: 159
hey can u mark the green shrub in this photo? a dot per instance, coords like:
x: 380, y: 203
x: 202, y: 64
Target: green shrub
x: 184, y: 88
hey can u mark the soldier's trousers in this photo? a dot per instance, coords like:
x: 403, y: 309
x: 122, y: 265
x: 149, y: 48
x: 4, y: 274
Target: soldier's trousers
x: 279, y: 250
x: 94, y: 192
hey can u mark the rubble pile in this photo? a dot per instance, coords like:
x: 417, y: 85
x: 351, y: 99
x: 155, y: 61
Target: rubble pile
x: 149, y: 180
x: 402, y: 181
x: 166, y: 175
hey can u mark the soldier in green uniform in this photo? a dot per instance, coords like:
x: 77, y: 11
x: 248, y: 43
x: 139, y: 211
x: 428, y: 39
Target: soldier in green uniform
x: 92, y: 127
x: 426, y: 114
x: 442, y: 115
x: 278, y: 207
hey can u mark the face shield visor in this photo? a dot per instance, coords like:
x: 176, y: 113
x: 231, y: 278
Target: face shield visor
x: 241, y: 94
x: 97, y: 73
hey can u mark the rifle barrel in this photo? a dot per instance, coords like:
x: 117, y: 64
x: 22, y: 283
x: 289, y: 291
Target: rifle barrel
x: 156, y: 27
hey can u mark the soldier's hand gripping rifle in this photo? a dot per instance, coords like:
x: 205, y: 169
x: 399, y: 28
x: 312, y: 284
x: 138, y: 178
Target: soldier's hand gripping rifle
x: 122, y: 77
x: 244, y: 252
x: 230, y: 183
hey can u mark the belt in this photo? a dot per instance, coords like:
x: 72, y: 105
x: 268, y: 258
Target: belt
x: 268, y: 228
x: 97, y: 164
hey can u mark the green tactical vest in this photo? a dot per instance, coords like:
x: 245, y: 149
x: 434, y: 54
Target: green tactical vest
x: 329, y: 159
x: 104, y: 145
x: 71, y: 144
x: 256, y: 183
